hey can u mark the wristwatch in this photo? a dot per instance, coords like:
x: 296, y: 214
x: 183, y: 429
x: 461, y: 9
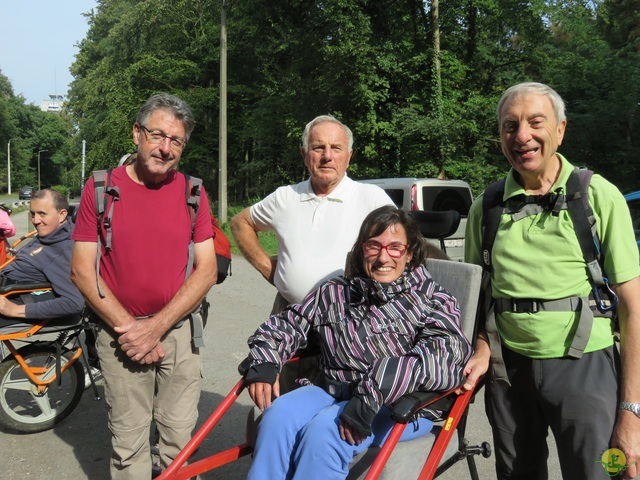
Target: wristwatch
x: 632, y: 407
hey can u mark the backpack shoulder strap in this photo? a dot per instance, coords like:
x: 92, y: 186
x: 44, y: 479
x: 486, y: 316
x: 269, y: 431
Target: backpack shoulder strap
x: 492, y: 207
x: 103, y: 190
x: 100, y: 179
x: 193, y: 189
x: 584, y: 221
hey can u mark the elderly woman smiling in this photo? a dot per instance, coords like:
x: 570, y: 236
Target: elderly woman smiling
x: 384, y: 329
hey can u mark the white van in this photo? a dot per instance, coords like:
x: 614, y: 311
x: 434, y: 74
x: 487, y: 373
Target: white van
x: 432, y: 195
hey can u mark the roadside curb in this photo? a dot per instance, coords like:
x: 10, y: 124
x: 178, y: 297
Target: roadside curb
x: 16, y: 204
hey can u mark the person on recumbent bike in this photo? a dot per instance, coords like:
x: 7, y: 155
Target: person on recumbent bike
x: 45, y: 259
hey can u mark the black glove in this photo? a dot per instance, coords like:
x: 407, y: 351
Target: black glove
x: 358, y: 414
x: 263, y: 372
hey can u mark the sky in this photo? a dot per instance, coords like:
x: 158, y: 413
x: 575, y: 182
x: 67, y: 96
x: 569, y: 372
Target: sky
x: 38, y: 41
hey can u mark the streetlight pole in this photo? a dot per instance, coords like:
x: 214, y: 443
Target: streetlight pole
x: 39, y: 151
x: 9, y: 166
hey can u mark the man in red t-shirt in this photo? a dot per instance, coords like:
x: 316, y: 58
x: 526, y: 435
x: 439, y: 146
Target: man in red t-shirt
x: 149, y: 364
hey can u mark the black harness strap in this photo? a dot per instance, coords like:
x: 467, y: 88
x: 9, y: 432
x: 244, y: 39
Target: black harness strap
x: 492, y: 205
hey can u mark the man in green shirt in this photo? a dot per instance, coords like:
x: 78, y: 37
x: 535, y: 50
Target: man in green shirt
x: 590, y: 401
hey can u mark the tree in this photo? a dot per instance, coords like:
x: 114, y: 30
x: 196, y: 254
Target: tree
x: 416, y: 106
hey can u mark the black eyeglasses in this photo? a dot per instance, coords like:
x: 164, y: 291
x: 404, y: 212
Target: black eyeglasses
x: 395, y: 250
x: 157, y: 137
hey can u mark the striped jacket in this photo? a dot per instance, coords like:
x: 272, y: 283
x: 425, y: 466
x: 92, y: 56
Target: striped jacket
x: 387, y: 339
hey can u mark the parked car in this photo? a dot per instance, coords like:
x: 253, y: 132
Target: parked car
x: 26, y: 193
x: 633, y: 200
x: 432, y: 195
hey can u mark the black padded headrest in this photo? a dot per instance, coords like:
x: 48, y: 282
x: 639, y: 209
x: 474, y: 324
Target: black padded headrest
x: 437, y: 224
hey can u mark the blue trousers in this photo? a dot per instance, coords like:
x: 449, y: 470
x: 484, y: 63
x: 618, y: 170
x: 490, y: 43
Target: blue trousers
x: 298, y: 437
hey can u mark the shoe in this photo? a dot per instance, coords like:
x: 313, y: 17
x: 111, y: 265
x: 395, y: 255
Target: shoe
x: 96, y: 373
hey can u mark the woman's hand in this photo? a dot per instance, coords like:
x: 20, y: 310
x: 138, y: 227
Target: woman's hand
x: 349, y: 434
x: 263, y: 393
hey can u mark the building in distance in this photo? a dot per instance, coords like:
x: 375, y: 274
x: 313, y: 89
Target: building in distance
x: 54, y: 104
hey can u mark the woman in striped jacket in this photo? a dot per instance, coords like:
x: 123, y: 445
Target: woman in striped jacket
x: 384, y: 329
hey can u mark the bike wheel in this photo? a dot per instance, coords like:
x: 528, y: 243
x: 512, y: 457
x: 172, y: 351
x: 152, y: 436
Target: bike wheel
x: 22, y: 408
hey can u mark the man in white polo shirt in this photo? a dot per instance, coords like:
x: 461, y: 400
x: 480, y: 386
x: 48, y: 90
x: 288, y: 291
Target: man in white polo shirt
x: 316, y: 221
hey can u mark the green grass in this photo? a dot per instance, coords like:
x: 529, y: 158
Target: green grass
x: 268, y: 240
x: 9, y: 199
x: 16, y: 210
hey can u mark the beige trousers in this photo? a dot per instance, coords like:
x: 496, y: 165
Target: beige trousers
x: 168, y: 392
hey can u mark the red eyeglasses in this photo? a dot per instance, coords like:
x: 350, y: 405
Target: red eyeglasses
x: 395, y: 250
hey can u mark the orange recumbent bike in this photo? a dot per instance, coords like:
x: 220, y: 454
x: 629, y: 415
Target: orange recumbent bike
x: 41, y: 379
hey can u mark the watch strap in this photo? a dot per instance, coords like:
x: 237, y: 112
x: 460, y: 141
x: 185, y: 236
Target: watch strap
x: 632, y: 407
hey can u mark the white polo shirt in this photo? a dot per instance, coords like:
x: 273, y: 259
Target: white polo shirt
x: 314, y: 233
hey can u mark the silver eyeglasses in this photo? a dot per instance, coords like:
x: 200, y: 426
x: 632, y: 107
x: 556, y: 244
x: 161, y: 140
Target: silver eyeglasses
x: 156, y: 137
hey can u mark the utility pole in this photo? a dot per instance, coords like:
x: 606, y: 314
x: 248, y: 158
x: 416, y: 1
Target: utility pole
x: 9, y: 166
x: 84, y: 151
x: 222, y: 145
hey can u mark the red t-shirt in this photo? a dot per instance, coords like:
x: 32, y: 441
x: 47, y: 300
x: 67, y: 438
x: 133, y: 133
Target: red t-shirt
x: 151, y: 232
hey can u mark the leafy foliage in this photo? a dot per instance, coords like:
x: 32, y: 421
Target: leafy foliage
x: 371, y: 63
x: 27, y: 130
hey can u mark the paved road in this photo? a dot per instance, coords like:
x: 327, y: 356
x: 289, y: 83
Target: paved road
x: 78, y: 448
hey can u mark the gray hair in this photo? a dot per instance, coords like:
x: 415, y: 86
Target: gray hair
x: 164, y: 101
x: 322, y: 119
x: 59, y: 201
x: 536, y: 88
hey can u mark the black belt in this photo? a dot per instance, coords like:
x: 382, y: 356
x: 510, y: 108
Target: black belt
x: 339, y: 390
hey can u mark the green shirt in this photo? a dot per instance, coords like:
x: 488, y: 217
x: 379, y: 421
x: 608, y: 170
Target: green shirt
x: 539, y: 257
